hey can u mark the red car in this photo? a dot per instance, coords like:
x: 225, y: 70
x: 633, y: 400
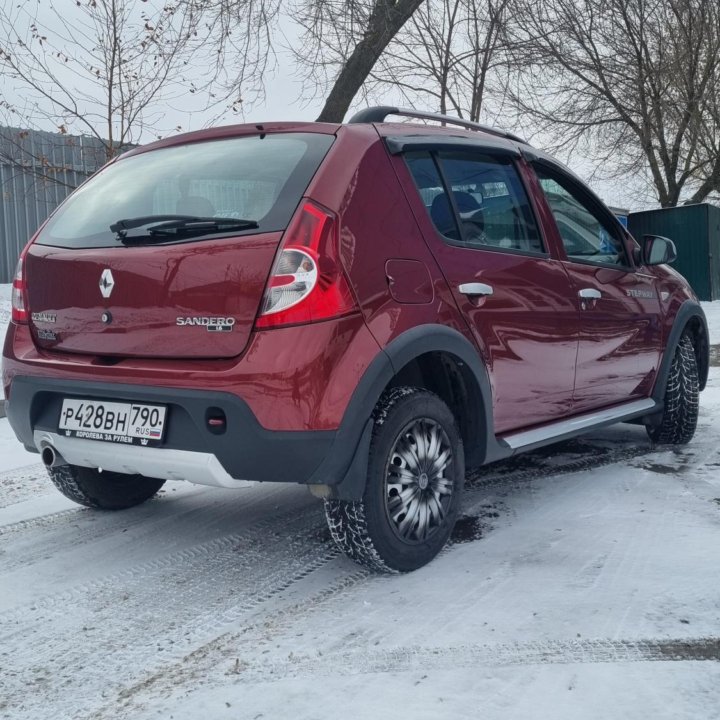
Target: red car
x: 366, y: 308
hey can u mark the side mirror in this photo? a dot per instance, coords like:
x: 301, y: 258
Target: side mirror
x: 657, y: 250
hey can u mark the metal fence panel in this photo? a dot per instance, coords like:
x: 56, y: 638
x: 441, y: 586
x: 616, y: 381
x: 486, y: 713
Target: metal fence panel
x: 695, y: 230
x: 37, y: 172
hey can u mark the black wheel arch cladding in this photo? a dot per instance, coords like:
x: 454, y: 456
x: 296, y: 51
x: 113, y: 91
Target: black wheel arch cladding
x: 356, y: 428
x: 689, y: 315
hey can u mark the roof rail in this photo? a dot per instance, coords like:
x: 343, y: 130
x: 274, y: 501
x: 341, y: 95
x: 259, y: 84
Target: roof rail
x: 378, y: 114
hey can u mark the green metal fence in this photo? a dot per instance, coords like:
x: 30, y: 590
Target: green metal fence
x: 695, y: 230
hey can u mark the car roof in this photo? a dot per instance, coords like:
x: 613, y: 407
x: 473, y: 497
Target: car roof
x: 222, y: 132
x: 372, y: 116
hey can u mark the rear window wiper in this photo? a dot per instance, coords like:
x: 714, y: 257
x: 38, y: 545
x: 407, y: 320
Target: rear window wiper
x: 163, y: 227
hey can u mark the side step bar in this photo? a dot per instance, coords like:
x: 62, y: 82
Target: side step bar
x: 527, y: 439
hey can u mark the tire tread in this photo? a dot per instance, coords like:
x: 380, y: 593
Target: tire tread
x: 106, y: 490
x: 682, y: 399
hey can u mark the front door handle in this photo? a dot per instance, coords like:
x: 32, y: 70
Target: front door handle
x: 590, y: 294
x: 475, y: 288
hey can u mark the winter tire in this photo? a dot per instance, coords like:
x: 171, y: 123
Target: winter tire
x: 104, y: 490
x: 415, y: 477
x: 676, y: 425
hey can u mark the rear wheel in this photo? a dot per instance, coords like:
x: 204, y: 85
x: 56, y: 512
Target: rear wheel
x: 412, y: 494
x: 676, y: 425
x: 105, y: 490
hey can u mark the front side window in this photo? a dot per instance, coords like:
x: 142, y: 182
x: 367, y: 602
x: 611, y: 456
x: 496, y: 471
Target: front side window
x: 488, y: 208
x: 585, y: 236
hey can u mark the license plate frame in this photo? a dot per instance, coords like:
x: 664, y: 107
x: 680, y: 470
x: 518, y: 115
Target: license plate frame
x: 123, y: 423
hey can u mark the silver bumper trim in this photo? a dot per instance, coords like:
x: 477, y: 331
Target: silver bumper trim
x: 155, y: 462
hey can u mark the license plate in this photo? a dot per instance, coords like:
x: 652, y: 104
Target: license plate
x: 124, y: 423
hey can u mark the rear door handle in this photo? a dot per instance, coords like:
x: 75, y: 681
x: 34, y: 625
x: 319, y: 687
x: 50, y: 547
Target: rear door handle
x: 590, y: 294
x: 475, y: 288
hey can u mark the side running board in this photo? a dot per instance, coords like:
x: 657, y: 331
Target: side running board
x: 577, y: 425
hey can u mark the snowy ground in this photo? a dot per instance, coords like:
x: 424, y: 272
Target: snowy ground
x: 569, y: 592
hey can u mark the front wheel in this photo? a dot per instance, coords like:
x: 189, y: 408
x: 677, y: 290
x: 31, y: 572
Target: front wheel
x: 412, y: 495
x: 676, y: 425
x: 104, y: 490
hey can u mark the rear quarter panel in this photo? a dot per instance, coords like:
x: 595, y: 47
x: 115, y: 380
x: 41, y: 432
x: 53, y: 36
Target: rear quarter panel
x: 376, y: 226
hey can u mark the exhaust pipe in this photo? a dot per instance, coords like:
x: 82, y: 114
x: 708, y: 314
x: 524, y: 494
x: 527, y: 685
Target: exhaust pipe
x: 51, y: 457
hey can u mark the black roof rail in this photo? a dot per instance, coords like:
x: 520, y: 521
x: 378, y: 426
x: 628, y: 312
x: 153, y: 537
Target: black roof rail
x: 378, y: 114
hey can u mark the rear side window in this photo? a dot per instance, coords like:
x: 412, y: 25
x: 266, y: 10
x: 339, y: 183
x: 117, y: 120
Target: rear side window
x: 488, y: 208
x: 259, y: 178
x: 432, y: 191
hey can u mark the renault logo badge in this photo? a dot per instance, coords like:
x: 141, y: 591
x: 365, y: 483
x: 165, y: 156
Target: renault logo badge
x: 107, y: 283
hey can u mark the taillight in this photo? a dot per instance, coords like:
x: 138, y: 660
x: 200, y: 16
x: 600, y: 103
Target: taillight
x: 307, y: 282
x: 19, y: 294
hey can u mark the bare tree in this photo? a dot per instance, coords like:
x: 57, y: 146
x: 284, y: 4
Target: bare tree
x: 238, y: 49
x: 382, y: 20
x: 637, y: 82
x: 103, y: 68
x: 448, y: 56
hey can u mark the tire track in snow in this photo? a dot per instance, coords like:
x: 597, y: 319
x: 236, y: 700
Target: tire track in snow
x: 23, y: 483
x: 264, y: 530
x: 417, y: 658
x: 115, y: 637
x: 198, y: 665
x: 213, y: 587
x: 40, y: 522
x: 203, y: 663
x: 479, y: 480
x: 83, y: 526
x: 112, y: 519
x: 476, y: 482
x: 257, y: 530
x: 26, y: 471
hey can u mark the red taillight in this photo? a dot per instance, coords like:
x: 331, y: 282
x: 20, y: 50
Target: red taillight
x: 19, y: 304
x: 307, y: 282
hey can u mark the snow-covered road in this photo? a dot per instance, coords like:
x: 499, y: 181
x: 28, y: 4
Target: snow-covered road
x: 569, y: 592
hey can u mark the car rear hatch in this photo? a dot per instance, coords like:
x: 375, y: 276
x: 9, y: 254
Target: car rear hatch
x: 182, y: 272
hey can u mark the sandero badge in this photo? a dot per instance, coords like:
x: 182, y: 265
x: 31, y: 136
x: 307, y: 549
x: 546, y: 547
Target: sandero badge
x: 212, y: 324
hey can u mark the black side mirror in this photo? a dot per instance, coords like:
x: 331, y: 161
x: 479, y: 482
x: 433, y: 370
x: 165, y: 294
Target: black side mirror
x: 657, y: 250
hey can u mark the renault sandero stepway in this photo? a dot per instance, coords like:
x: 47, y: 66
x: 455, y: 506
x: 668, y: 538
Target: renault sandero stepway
x: 366, y: 308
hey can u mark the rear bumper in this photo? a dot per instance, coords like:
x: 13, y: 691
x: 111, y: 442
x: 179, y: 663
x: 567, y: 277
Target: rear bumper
x: 191, y: 450
x: 298, y: 405
x: 195, y: 467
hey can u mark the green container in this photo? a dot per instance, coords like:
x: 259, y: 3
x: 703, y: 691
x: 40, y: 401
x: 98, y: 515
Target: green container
x: 695, y: 230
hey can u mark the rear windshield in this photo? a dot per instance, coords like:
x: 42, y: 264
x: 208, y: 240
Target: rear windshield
x: 259, y: 177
